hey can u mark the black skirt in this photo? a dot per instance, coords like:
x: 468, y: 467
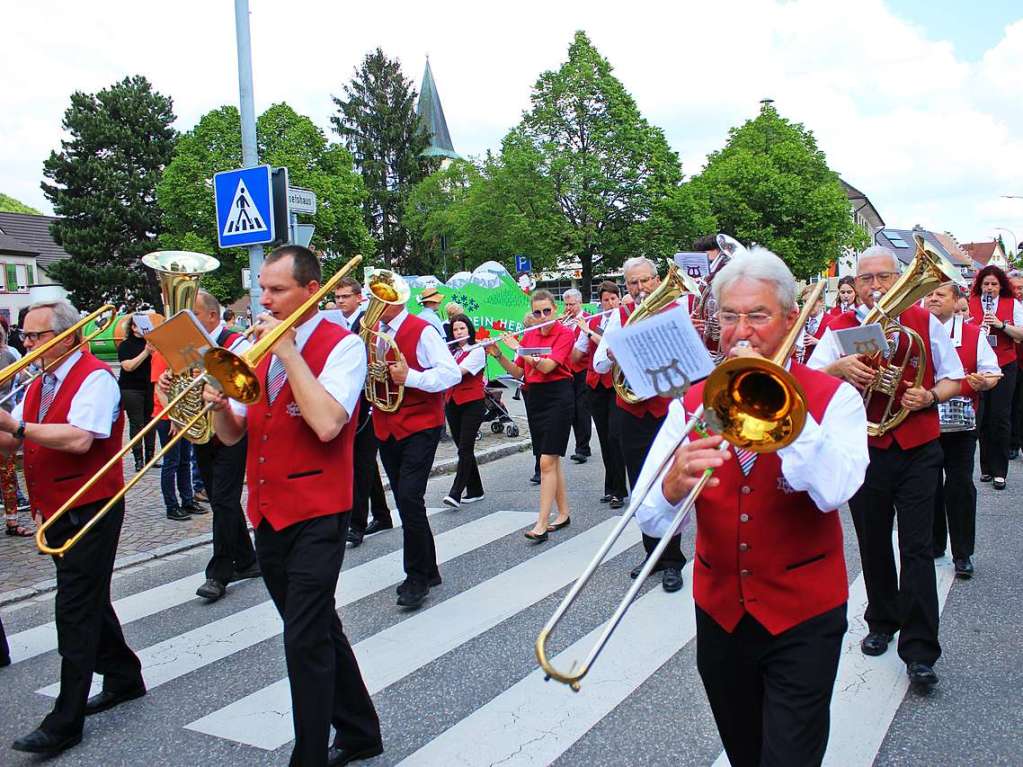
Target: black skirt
x: 549, y: 412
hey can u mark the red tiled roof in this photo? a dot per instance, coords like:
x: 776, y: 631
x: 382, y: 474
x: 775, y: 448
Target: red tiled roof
x: 980, y: 252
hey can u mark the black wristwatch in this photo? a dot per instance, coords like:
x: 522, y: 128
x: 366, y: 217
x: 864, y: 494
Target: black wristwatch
x: 937, y: 400
x: 19, y: 433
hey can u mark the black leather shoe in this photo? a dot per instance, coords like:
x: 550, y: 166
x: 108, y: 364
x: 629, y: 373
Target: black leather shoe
x: 606, y: 498
x: 211, y: 590
x: 964, y: 568
x: 671, y: 579
x: 938, y: 553
x: 339, y: 755
x: 354, y: 539
x: 1014, y: 454
x: 634, y: 573
x: 5, y: 660
x: 434, y: 582
x: 194, y: 508
x: 875, y: 643
x: 579, y: 457
x: 413, y: 595
x: 39, y: 742
x: 921, y: 675
x: 178, y: 515
x: 559, y: 525
x: 534, y: 538
x: 616, y: 502
x: 252, y: 571
x: 986, y: 477
x: 535, y: 479
x: 106, y: 699
x: 376, y: 526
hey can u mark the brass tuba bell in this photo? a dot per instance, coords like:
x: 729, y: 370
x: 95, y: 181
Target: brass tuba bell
x: 386, y: 288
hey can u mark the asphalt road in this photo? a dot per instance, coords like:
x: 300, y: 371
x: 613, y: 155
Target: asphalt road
x: 456, y: 683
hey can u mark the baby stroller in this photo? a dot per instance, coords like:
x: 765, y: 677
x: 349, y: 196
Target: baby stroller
x: 495, y: 413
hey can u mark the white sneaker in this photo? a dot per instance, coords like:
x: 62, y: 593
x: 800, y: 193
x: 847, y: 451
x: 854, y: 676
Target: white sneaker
x: 479, y: 497
x: 449, y: 501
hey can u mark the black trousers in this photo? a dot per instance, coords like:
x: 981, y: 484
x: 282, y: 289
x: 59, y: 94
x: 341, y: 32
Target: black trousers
x: 5, y: 651
x: 956, y: 499
x: 407, y: 463
x: 89, y: 636
x: 636, y: 435
x: 603, y: 409
x: 300, y: 567
x: 368, y: 489
x: 771, y: 695
x: 464, y: 421
x: 995, y: 426
x: 138, y: 406
x: 223, y: 471
x: 1016, y: 428
x: 900, y: 482
x: 581, y: 424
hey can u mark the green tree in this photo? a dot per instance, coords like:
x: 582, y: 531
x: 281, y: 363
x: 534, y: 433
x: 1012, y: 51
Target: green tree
x: 103, y: 189
x: 377, y: 120
x: 10, y: 205
x: 771, y: 185
x: 286, y: 139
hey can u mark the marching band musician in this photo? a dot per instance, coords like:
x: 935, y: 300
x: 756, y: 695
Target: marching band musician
x: 993, y: 306
x: 846, y: 296
x: 300, y: 436
x: 582, y: 427
x: 72, y: 422
x: 1016, y: 430
x: 769, y: 581
x: 956, y: 500
x: 638, y: 424
x: 408, y: 439
x: 464, y: 410
x: 901, y: 478
x: 601, y: 394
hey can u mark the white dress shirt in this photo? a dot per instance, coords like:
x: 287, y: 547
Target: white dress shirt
x: 350, y: 319
x: 943, y: 355
x: 987, y: 362
x: 474, y: 361
x: 96, y: 404
x: 428, y: 314
x: 827, y: 460
x: 601, y: 362
x: 343, y: 374
x: 440, y: 371
x: 583, y: 341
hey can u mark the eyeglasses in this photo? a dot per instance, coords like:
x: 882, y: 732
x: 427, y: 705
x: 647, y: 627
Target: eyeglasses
x: 33, y: 337
x: 756, y: 319
x: 343, y: 296
x: 538, y: 313
x: 881, y: 277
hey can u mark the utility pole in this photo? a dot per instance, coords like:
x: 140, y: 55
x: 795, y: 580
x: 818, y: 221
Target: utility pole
x: 250, y: 153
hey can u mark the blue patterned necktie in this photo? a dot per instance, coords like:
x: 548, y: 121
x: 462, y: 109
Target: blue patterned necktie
x: 746, y: 460
x: 275, y: 378
x: 49, y: 389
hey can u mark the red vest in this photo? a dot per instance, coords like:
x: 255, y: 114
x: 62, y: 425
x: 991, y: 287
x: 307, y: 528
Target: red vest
x: 419, y: 409
x: 593, y: 378
x: 1004, y: 349
x: 762, y: 548
x: 921, y: 426
x: 293, y: 476
x: 655, y: 406
x: 968, y: 356
x: 53, y: 476
x: 470, y: 388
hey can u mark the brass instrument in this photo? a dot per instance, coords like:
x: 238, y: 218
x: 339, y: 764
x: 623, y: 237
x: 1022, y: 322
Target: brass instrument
x: 178, y: 272
x: 234, y: 374
x: 674, y: 284
x: 386, y: 288
x: 754, y: 403
x: 706, y: 308
x: 927, y: 271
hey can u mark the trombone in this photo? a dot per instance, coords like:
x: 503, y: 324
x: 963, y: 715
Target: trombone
x: 754, y: 403
x: 234, y: 374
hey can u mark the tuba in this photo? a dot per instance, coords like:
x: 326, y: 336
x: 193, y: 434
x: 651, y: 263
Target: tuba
x: 674, y: 284
x: 706, y: 308
x: 927, y: 271
x: 386, y: 288
x: 178, y: 272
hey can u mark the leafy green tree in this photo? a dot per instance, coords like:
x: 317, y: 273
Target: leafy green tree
x: 10, y: 205
x: 284, y: 138
x: 377, y: 120
x: 771, y: 185
x: 103, y: 189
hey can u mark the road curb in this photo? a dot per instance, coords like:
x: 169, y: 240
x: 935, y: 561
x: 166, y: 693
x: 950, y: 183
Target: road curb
x: 446, y: 466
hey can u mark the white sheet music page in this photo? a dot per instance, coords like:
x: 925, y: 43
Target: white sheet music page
x: 659, y: 353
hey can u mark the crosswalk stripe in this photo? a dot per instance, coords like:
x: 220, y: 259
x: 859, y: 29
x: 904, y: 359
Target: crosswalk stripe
x: 42, y: 639
x: 263, y: 719
x: 192, y: 650
x: 548, y: 717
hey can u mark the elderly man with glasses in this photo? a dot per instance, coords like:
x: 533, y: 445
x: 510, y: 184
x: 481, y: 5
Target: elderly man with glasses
x: 904, y: 471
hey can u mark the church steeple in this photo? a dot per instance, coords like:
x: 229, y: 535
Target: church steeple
x: 432, y: 114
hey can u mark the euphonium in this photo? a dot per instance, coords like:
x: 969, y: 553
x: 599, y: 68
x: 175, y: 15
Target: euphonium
x: 386, y: 288
x: 178, y: 272
x: 927, y: 271
x: 705, y: 308
x: 674, y: 284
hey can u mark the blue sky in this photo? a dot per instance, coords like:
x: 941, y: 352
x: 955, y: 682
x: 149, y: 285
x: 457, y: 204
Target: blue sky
x: 972, y: 27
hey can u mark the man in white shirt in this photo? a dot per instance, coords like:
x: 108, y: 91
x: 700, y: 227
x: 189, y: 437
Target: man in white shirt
x: 581, y: 424
x: 431, y: 299
x: 348, y: 295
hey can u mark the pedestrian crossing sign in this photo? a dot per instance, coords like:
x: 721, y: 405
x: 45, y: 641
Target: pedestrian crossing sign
x: 244, y: 202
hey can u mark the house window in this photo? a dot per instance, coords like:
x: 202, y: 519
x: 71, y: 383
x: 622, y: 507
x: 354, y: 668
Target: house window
x: 17, y: 277
x: 11, y: 277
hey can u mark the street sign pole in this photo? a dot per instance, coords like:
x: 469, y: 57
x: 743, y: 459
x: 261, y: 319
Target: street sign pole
x: 247, y: 110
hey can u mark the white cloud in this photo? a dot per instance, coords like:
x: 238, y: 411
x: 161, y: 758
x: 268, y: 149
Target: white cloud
x: 931, y: 138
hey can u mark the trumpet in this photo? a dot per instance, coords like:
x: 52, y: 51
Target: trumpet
x: 234, y: 374
x: 754, y: 403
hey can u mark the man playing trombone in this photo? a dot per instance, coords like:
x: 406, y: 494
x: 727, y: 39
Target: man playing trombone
x: 769, y: 578
x: 71, y: 422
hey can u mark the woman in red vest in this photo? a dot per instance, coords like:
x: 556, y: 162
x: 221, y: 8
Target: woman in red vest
x: 993, y: 306
x: 544, y: 362
x: 846, y: 296
x: 464, y: 411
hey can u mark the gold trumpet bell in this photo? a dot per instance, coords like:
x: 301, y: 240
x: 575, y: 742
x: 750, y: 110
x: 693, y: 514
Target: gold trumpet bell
x: 236, y: 378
